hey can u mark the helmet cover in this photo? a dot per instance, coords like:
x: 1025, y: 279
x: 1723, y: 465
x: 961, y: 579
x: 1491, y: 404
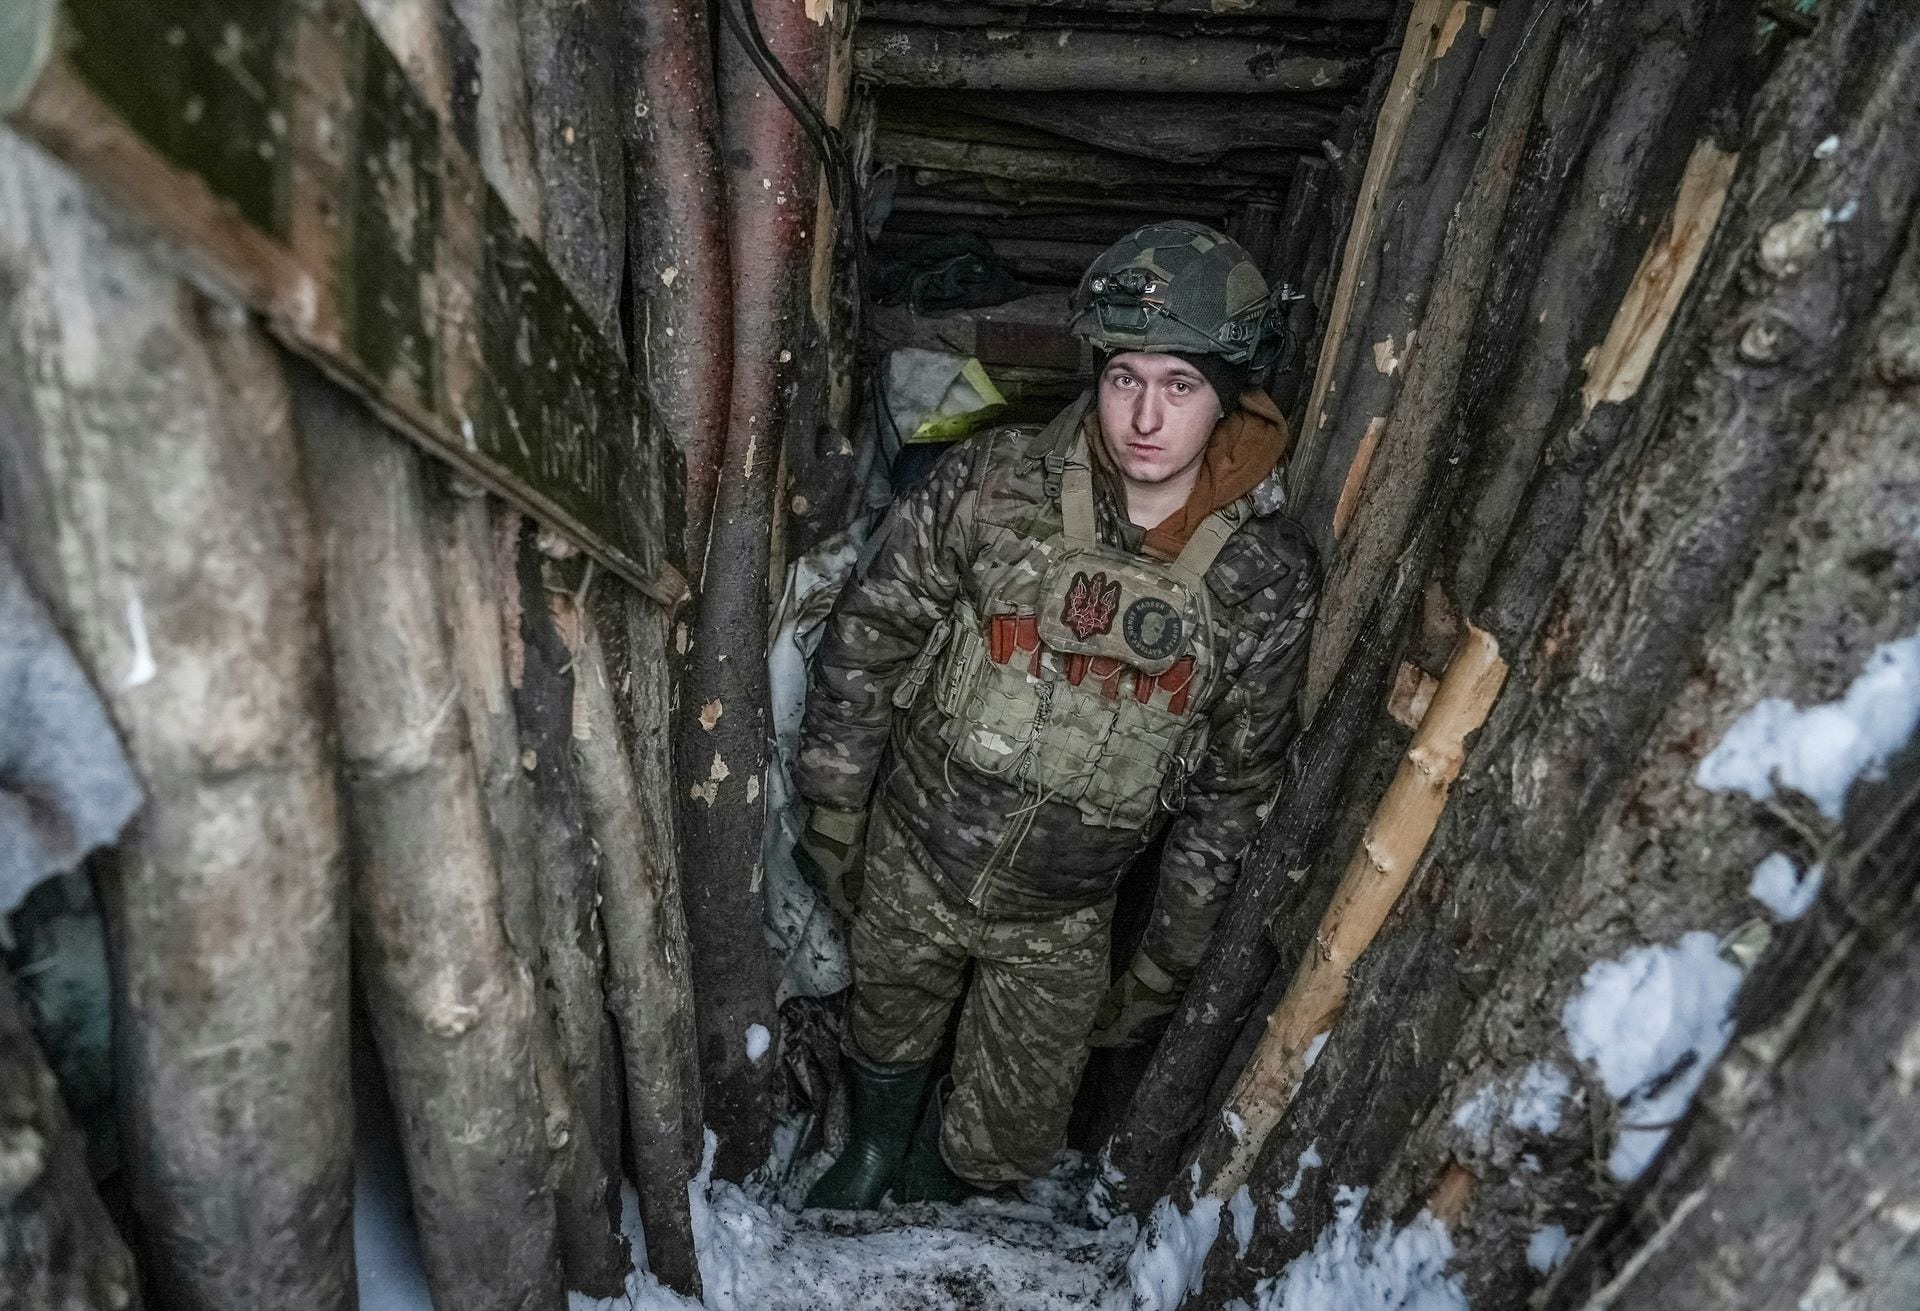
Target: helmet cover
x: 1178, y: 287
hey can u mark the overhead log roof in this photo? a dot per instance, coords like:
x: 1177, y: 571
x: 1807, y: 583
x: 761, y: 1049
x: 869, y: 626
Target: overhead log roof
x: 1050, y: 128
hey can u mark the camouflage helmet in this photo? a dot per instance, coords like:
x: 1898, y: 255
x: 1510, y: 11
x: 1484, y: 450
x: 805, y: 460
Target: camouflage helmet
x: 1178, y: 287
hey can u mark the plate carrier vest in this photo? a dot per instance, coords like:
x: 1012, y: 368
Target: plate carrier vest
x: 1086, y: 677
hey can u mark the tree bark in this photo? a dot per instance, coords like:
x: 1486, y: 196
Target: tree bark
x: 1016, y: 59
x: 649, y: 992
x: 58, y: 1248
x: 1720, y: 431
x: 489, y: 105
x: 452, y: 1006
x: 574, y: 103
x: 152, y: 489
x: 680, y: 265
x: 721, y: 769
x: 473, y: 579
x: 1302, y: 250
x: 571, y: 955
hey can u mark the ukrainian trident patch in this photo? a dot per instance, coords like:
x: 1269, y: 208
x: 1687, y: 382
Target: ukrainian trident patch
x: 1090, y: 605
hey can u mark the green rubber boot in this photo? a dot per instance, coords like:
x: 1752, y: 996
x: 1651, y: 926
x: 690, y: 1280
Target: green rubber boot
x: 882, y: 1101
x: 925, y: 1175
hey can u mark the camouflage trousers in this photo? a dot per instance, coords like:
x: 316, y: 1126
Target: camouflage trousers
x: 1028, y: 1010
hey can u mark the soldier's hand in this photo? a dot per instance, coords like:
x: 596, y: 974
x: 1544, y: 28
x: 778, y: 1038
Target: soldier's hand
x: 1135, y: 1005
x: 831, y: 852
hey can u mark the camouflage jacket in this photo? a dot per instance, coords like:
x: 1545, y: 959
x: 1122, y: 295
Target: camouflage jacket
x: 987, y: 508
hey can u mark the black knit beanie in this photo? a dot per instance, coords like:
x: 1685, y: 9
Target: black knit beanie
x: 1227, y: 380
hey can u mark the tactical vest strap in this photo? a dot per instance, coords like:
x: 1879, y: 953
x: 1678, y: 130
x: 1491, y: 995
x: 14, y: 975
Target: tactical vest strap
x: 1204, y: 547
x: 1076, y: 497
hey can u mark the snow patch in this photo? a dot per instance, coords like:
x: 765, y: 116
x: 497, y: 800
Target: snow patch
x: 1240, y: 1207
x: 1652, y: 1023
x: 140, y: 666
x: 1536, y: 1102
x: 1356, y: 1269
x: 1548, y: 1248
x: 1530, y: 1103
x: 1479, y: 1113
x: 758, y: 1040
x: 1779, y: 885
x: 1821, y: 750
x: 1170, y: 1261
x: 1283, y: 1204
x: 1314, y: 1048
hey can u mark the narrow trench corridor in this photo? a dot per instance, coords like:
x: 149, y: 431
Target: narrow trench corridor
x: 435, y: 436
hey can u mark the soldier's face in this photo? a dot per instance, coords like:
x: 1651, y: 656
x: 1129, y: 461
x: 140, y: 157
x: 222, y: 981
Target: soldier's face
x: 1156, y: 413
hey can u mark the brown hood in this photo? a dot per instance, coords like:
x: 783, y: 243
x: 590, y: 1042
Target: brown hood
x: 1243, y: 450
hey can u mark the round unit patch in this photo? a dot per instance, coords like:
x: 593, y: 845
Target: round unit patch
x: 1153, y: 628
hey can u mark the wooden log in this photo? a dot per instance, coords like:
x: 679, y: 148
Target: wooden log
x: 488, y: 104
x: 1099, y: 227
x: 1376, y: 875
x: 573, y: 100
x: 1357, y: 10
x: 1072, y: 167
x: 58, y: 1246
x: 1255, y: 226
x: 571, y: 956
x: 1425, y: 23
x: 153, y: 496
x: 473, y: 580
x: 649, y: 991
x: 452, y: 1007
x: 680, y: 271
x: 1175, y: 129
x: 1013, y: 59
x: 907, y: 200
x: 1438, y: 153
x: 826, y: 472
x: 1349, y: 24
x: 1721, y: 411
x: 1302, y: 253
x: 720, y: 762
x: 1395, y: 407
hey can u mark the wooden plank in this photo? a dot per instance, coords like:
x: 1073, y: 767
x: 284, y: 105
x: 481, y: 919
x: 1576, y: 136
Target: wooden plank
x: 1423, y: 44
x: 291, y: 156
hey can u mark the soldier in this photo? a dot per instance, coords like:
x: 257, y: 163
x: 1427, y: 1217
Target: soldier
x: 1062, y: 644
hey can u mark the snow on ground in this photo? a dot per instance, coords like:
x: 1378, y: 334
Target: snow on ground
x: 1821, y: 750
x: 1779, y: 885
x: 1353, y: 1268
x: 1652, y: 1023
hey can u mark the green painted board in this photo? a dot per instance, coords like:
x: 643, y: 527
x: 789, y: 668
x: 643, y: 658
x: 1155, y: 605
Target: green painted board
x: 284, y: 147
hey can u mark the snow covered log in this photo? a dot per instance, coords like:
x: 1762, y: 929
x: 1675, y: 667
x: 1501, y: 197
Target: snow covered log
x: 648, y: 990
x: 1748, y: 492
x: 452, y: 1006
x: 721, y: 741
x: 58, y: 1248
x: 152, y: 489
